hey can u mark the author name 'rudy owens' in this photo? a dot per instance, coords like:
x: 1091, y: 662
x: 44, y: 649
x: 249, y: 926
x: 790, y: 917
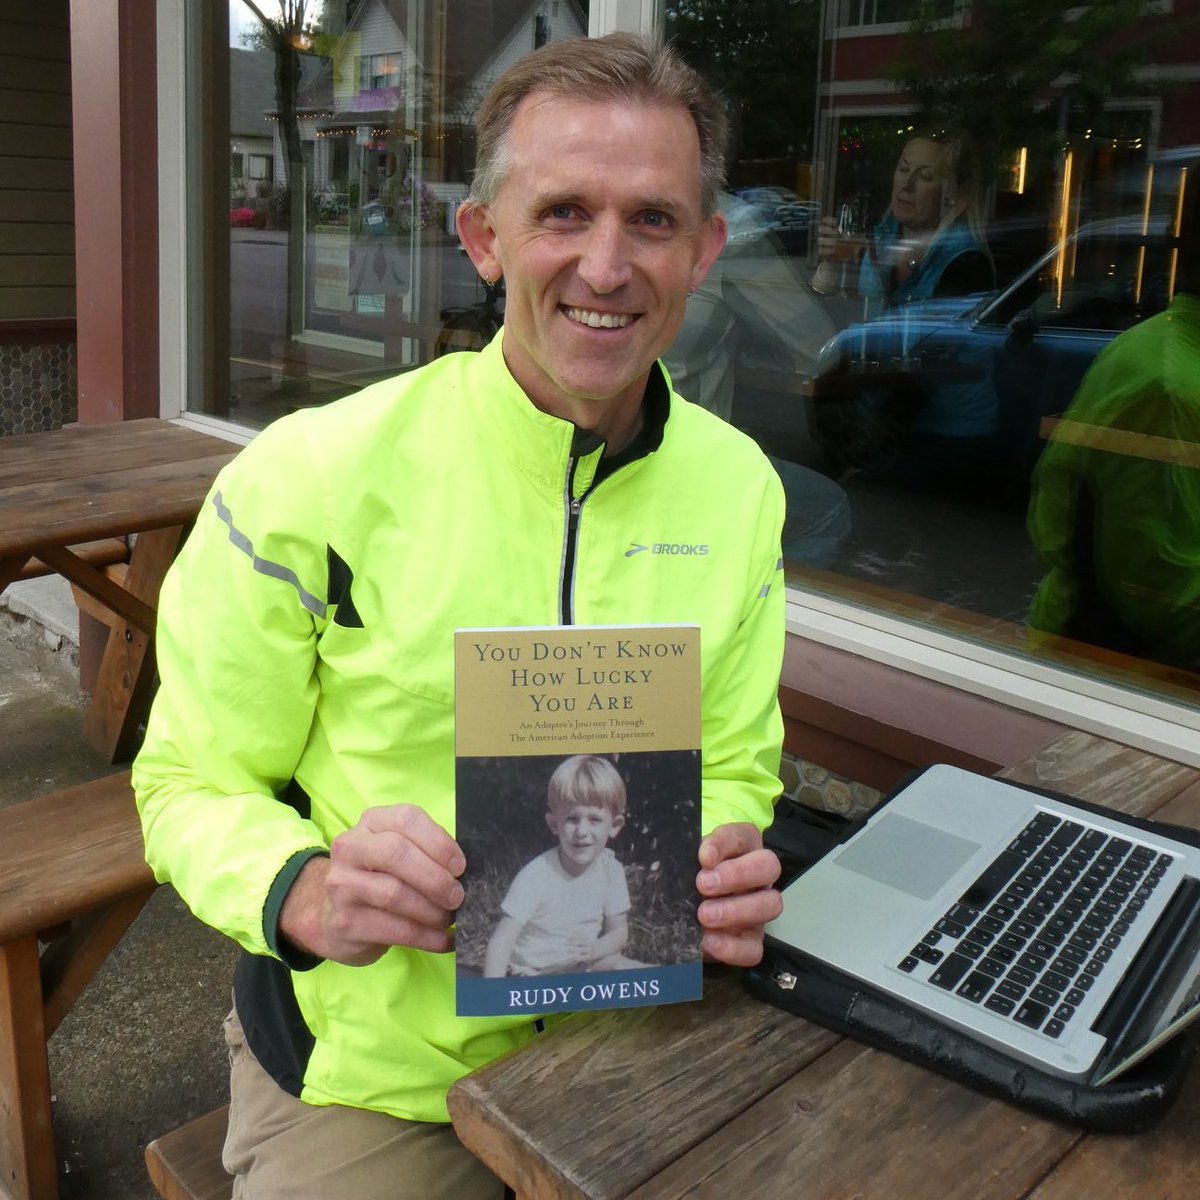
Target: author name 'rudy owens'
x: 601, y: 994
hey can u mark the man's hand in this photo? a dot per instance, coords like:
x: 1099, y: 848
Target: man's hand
x: 391, y: 880
x: 737, y: 878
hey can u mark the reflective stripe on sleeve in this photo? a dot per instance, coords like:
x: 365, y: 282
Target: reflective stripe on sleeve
x: 263, y: 566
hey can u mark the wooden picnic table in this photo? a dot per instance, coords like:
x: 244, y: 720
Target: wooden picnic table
x: 65, y: 495
x: 732, y: 1097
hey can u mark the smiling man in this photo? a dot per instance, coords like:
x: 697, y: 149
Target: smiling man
x: 600, y: 232
x: 296, y: 785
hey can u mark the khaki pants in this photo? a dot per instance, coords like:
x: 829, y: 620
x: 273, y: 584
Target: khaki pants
x: 278, y: 1147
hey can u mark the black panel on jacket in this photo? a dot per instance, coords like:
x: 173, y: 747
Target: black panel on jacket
x: 338, y: 591
x: 270, y: 1016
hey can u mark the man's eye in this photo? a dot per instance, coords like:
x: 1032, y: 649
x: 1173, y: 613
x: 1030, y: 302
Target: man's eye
x: 656, y: 220
x: 560, y: 212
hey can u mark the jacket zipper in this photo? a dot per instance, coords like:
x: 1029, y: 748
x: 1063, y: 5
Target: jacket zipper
x: 566, y: 611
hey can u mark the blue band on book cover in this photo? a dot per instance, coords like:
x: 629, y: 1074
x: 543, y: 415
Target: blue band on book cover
x: 577, y: 779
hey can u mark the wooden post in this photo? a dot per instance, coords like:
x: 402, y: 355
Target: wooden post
x: 28, y: 1162
x: 127, y: 669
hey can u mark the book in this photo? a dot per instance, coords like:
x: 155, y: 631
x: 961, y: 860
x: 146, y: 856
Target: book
x: 577, y: 781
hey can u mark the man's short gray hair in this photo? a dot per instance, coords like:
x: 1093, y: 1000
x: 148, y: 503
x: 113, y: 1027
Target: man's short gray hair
x: 620, y: 66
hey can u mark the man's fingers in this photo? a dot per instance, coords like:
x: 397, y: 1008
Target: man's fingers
x: 747, y: 873
x: 735, y: 948
x: 426, y: 864
x: 373, y: 929
x: 354, y: 889
x: 729, y: 841
x: 415, y: 825
x: 751, y: 910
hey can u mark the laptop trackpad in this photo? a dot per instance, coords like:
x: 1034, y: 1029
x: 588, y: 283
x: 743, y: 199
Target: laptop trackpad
x: 907, y: 854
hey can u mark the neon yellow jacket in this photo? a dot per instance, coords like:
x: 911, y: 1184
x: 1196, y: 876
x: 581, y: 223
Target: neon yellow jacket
x: 305, y: 638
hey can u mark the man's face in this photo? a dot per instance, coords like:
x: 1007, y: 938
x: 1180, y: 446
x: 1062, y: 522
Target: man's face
x: 598, y: 233
x: 582, y: 832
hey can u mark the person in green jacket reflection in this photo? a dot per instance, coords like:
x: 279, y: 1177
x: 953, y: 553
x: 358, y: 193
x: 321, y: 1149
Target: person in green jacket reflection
x: 1115, y: 507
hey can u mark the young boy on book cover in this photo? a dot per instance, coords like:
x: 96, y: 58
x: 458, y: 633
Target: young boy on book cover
x: 568, y: 909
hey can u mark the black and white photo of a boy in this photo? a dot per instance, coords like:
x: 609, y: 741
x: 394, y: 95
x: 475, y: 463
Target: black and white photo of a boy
x: 567, y: 910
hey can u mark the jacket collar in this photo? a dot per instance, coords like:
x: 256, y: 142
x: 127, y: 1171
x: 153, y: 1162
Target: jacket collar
x: 543, y: 445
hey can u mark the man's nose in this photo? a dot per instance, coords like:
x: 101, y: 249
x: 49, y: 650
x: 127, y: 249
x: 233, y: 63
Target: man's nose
x: 606, y: 263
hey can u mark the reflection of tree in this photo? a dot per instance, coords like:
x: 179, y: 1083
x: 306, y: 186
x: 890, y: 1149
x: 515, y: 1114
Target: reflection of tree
x: 286, y: 36
x: 760, y: 55
x: 992, y: 77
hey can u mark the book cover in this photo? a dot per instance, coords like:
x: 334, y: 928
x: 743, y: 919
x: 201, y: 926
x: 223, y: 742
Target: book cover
x: 578, y: 809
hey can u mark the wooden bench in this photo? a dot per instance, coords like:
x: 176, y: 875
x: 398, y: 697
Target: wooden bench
x: 73, y: 876
x: 185, y: 1164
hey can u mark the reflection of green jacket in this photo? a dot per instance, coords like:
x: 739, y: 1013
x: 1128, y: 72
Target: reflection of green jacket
x: 1119, y: 528
x: 306, y: 633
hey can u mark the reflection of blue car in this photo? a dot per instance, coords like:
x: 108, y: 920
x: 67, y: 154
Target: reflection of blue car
x: 962, y: 384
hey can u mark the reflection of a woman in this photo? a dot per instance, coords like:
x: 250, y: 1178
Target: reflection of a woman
x: 930, y: 242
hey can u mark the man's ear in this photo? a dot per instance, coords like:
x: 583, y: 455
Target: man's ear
x: 552, y: 822
x: 712, y: 235
x: 478, y: 236
x: 617, y: 824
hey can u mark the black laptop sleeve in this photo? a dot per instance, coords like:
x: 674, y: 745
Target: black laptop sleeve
x: 808, y: 988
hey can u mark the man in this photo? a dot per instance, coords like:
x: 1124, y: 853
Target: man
x: 1115, y: 505
x: 296, y: 784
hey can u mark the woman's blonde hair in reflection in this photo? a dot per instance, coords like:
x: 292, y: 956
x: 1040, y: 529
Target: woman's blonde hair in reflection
x: 962, y: 188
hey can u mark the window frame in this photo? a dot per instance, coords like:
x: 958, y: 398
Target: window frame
x: 958, y: 19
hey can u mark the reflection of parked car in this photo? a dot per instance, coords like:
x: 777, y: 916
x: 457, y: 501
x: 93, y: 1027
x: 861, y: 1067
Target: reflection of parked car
x: 746, y: 224
x: 793, y: 220
x: 796, y: 225
x: 979, y: 373
x: 766, y: 196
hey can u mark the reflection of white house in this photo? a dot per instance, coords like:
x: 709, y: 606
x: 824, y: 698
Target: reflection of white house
x: 537, y: 23
x: 251, y: 134
x: 363, y: 111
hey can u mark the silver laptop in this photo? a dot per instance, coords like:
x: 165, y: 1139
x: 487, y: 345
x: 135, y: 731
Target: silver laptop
x: 1067, y: 939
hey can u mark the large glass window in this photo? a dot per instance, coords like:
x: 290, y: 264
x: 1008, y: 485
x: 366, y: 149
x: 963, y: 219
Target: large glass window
x: 953, y: 307
x: 955, y: 311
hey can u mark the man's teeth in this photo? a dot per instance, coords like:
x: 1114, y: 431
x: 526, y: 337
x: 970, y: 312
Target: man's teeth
x: 598, y: 320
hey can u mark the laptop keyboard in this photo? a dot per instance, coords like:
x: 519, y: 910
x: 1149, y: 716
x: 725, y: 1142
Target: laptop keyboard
x: 1031, y: 935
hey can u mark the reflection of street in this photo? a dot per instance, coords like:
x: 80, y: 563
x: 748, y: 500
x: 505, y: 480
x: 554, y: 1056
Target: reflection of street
x: 269, y: 377
x: 941, y: 550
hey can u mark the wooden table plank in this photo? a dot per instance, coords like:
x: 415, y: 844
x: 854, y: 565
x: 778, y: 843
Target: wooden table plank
x: 1104, y: 772
x: 860, y: 1122
x: 46, y: 458
x: 104, y: 830
x: 157, y: 450
x: 38, y: 458
x: 1163, y: 1165
x: 106, y: 505
x: 666, y: 1078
